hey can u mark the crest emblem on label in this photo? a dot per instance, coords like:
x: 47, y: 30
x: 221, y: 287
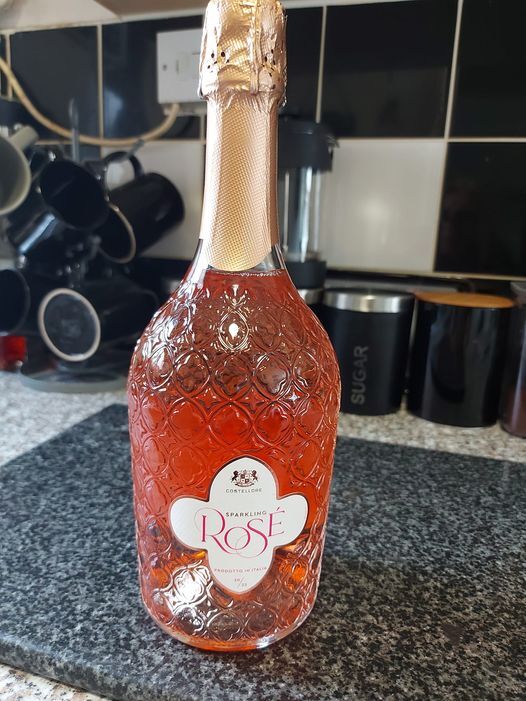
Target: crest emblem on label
x: 241, y: 524
x: 245, y: 478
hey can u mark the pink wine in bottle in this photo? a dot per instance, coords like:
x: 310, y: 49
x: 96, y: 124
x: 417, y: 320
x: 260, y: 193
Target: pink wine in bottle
x: 234, y: 386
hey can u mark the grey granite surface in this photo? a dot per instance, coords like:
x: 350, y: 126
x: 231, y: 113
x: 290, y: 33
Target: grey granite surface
x: 421, y: 593
x: 30, y: 417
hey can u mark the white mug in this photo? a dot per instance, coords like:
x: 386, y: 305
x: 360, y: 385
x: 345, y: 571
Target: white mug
x: 15, y: 174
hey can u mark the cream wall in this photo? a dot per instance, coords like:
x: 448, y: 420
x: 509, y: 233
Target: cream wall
x: 18, y: 14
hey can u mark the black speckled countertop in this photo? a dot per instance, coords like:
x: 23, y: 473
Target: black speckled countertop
x: 422, y: 591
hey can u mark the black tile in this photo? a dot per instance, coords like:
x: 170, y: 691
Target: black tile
x: 303, y: 60
x: 490, y: 95
x: 11, y: 110
x: 56, y: 65
x: 387, y: 68
x: 483, y: 218
x: 130, y: 78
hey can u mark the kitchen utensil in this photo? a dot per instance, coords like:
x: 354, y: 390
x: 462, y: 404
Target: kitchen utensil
x: 75, y: 323
x: 369, y: 330
x: 20, y: 295
x: 15, y: 174
x: 305, y: 159
x: 101, y: 167
x: 141, y: 212
x: 513, y: 400
x: 312, y: 298
x: 458, y: 357
x: 75, y: 131
x: 67, y: 199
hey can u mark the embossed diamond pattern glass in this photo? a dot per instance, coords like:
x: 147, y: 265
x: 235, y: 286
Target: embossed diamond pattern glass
x: 234, y: 386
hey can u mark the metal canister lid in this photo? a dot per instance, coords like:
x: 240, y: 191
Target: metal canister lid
x: 368, y: 300
x: 311, y: 296
x: 519, y: 291
x: 468, y: 300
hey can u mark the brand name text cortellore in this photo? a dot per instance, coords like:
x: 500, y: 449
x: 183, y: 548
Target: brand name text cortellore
x: 244, y: 490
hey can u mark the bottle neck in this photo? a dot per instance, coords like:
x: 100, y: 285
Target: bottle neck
x: 239, y: 225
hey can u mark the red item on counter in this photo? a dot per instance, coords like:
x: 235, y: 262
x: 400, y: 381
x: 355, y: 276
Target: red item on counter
x: 12, y: 352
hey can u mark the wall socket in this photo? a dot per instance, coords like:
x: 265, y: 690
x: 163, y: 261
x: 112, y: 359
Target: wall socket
x: 178, y: 56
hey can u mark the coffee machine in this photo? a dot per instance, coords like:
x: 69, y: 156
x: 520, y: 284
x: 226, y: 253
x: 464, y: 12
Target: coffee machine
x: 304, y: 164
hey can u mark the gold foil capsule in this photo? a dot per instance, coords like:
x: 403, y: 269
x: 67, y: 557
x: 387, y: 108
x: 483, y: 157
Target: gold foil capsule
x: 243, y: 49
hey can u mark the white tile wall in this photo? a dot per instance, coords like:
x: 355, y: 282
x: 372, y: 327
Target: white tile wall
x: 183, y: 163
x: 379, y: 212
x: 381, y: 204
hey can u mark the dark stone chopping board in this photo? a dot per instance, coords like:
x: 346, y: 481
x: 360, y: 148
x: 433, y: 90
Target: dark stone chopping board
x: 422, y: 591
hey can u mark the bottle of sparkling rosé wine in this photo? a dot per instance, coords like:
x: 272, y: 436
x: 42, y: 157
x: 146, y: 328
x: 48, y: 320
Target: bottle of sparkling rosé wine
x: 234, y: 386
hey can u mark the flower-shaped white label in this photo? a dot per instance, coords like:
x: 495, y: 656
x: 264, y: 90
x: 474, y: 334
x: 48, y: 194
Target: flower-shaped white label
x: 241, y: 524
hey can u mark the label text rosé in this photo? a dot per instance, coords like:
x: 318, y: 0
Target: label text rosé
x: 234, y: 538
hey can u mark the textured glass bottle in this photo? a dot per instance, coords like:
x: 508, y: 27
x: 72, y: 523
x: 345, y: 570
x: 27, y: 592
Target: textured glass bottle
x: 234, y: 386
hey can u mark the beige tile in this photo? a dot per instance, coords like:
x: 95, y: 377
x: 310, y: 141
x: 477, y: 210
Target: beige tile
x: 381, y: 202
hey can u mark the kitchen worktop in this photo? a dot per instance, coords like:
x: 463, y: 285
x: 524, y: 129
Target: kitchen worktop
x: 29, y: 418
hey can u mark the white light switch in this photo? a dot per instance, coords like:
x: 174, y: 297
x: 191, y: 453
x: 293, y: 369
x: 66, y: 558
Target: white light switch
x: 178, y: 65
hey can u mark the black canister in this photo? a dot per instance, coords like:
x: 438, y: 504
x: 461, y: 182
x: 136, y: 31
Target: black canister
x: 312, y: 298
x: 369, y: 330
x: 513, y: 398
x: 458, y: 357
